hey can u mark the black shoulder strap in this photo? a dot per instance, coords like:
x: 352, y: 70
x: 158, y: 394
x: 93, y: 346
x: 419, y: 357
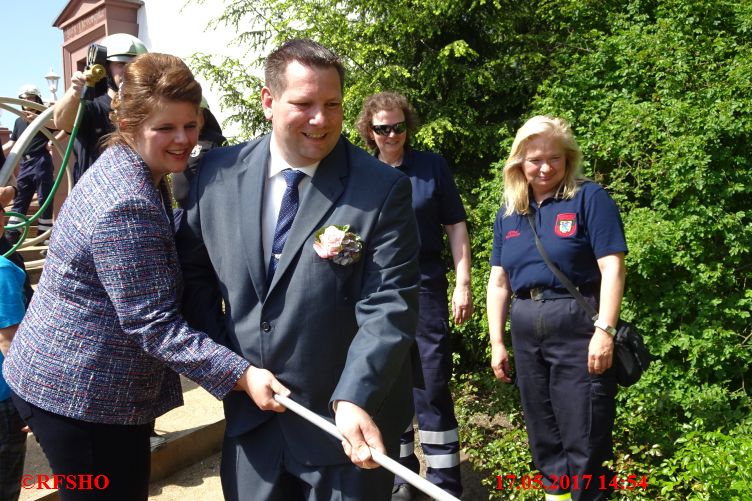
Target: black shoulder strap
x: 556, y: 271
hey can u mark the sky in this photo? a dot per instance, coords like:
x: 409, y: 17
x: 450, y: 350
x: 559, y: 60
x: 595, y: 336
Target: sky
x: 31, y: 46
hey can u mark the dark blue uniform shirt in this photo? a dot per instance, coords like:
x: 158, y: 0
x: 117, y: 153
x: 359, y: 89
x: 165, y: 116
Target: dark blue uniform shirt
x: 38, y: 145
x: 575, y: 233
x: 436, y: 203
x: 94, y: 124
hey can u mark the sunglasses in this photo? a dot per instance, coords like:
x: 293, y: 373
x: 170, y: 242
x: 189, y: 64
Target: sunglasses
x: 385, y: 130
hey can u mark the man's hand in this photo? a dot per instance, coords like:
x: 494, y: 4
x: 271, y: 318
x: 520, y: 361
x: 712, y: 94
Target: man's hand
x: 78, y: 81
x: 261, y: 385
x: 360, y: 433
x: 30, y: 115
x: 462, y: 303
x: 6, y: 195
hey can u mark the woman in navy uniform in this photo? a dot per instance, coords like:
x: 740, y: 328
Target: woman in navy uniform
x: 385, y: 124
x: 562, y: 358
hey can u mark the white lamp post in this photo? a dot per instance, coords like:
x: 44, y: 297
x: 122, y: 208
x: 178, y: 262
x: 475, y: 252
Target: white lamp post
x: 52, y: 79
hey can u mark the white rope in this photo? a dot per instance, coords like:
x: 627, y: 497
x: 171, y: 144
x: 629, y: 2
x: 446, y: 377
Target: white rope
x: 390, y: 464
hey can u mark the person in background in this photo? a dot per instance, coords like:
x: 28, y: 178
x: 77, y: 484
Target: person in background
x: 386, y: 123
x: 311, y: 246
x: 94, y: 361
x: 95, y: 123
x: 562, y: 359
x: 7, y: 193
x: 209, y: 138
x: 12, y: 434
x: 35, y: 172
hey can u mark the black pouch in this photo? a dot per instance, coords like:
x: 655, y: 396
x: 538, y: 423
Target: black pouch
x: 631, y: 356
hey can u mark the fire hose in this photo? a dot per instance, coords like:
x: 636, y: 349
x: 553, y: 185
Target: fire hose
x: 390, y: 464
x: 94, y: 74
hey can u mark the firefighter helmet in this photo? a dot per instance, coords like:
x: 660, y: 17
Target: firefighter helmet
x: 29, y: 90
x: 122, y: 47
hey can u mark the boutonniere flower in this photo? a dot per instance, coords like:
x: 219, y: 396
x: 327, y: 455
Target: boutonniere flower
x: 338, y: 244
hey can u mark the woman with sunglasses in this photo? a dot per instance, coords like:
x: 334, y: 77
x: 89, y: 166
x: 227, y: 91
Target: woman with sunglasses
x: 386, y: 123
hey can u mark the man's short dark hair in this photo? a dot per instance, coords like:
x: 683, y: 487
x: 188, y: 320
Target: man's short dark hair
x: 306, y: 52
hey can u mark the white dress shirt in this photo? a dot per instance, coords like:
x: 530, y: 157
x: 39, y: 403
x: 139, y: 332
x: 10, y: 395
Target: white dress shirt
x: 274, y: 189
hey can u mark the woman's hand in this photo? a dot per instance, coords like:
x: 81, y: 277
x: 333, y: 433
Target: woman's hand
x: 600, y: 352
x: 261, y: 385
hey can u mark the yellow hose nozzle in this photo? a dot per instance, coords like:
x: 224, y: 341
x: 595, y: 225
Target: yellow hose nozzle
x: 94, y: 74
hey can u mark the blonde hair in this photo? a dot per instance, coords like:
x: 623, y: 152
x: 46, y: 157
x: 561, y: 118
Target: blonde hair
x: 515, y: 193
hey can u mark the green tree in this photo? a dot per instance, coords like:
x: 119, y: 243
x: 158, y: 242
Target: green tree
x: 659, y: 93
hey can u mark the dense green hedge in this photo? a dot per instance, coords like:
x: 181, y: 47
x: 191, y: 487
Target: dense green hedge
x: 659, y: 94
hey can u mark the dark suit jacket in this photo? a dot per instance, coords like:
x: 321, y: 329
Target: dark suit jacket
x: 328, y: 332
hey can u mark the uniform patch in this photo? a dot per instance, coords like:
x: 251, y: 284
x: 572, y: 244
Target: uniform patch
x: 196, y: 151
x: 566, y: 224
x: 511, y: 234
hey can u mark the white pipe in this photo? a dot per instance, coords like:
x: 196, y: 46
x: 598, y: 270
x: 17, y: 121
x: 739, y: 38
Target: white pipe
x: 390, y: 464
x: 23, y: 142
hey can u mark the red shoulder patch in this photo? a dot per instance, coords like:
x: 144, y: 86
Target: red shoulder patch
x: 566, y: 224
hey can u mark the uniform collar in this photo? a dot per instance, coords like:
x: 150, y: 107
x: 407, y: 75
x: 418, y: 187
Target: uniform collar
x: 408, y: 158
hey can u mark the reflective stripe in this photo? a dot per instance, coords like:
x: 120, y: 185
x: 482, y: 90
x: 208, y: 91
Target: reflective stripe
x: 406, y: 450
x: 44, y: 221
x: 14, y: 220
x: 443, y: 460
x: 558, y: 497
x: 439, y: 437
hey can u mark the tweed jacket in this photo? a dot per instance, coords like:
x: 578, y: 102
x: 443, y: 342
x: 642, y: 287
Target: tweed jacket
x: 103, y: 337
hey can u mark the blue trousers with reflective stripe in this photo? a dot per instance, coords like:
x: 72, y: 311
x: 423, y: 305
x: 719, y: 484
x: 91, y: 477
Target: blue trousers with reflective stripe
x: 434, y: 407
x: 35, y: 175
x: 569, y: 414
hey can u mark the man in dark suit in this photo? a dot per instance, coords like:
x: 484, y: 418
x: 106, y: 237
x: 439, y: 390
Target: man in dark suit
x: 334, y: 330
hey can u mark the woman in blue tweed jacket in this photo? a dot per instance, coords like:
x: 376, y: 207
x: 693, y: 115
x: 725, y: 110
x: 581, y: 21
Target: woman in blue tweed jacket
x: 95, y: 359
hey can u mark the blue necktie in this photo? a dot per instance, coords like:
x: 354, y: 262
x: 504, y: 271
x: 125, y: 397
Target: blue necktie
x: 287, y: 211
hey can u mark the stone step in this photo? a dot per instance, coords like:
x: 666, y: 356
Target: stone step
x: 188, y: 435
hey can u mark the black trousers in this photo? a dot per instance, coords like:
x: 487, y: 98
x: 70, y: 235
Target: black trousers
x: 95, y: 461
x: 569, y: 414
x: 35, y: 175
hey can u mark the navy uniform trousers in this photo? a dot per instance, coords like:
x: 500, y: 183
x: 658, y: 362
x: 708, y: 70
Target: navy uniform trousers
x: 434, y: 408
x: 35, y: 175
x: 569, y: 414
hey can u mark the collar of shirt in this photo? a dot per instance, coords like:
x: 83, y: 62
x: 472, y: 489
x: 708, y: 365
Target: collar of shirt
x: 277, y: 163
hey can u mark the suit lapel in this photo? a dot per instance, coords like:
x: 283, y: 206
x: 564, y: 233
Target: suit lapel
x: 250, y: 199
x: 326, y: 187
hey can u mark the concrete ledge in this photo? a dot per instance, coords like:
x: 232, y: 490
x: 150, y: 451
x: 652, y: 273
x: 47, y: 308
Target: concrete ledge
x: 185, y: 449
x: 188, y: 434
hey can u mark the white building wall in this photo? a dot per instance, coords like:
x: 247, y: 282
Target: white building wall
x: 179, y: 27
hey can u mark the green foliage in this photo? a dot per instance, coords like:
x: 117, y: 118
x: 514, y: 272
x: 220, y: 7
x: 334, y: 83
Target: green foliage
x: 660, y: 96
